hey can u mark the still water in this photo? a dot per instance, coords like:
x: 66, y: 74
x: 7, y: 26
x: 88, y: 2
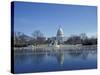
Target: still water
x: 54, y: 61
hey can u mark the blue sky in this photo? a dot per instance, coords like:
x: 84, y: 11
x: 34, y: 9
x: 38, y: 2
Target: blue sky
x: 47, y: 18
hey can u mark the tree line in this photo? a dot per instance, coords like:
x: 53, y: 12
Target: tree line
x: 37, y: 38
x: 81, y: 39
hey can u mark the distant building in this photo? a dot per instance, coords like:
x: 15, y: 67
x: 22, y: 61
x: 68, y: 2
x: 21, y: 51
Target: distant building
x: 59, y: 38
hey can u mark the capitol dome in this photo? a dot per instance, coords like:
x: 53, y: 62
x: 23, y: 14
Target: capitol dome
x: 60, y: 32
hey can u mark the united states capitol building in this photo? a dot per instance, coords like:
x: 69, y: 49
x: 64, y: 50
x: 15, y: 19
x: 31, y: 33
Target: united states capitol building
x: 59, y: 38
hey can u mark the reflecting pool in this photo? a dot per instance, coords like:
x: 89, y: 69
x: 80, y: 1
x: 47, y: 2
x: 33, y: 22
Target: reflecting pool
x: 43, y: 61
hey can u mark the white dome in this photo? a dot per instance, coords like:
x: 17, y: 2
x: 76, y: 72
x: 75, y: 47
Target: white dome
x: 60, y: 32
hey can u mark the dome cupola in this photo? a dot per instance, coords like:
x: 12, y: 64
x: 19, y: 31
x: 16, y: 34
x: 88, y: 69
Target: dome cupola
x: 60, y: 32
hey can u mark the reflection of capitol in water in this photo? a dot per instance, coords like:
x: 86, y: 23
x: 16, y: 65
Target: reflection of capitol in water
x: 59, y: 55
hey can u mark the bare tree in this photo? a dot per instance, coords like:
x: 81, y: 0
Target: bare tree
x: 83, y: 36
x: 39, y: 37
x: 20, y: 39
x: 37, y: 34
